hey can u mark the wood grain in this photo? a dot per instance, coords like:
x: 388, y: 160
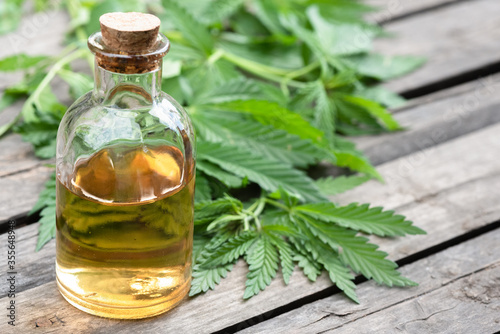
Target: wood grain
x: 38, y: 34
x: 19, y: 191
x: 445, y: 208
x: 454, y: 39
x: 434, y: 120
x: 457, y: 293
x: 391, y: 9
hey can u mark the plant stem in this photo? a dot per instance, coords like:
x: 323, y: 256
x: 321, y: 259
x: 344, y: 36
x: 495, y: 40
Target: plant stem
x: 277, y: 204
x: 27, y: 111
x: 263, y: 71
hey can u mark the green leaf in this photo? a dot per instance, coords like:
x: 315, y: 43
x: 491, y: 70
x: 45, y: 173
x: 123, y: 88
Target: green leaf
x: 19, y: 62
x: 210, y: 11
x: 273, y: 57
x: 361, y: 218
x: 247, y: 24
x: 8, y: 99
x: 269, y: 174
x: 43, y: 100
x: 192, y: 30
x: 48, y: 195
x: 343, y: 38
x: 268, y: 15
x: 356, y: 252
x: 383, y: 96
x: 47, y: 227
x: 310, y: 267
x: 347, y: 156
x: 203, y: 191
x: 272, y: 114
x: 41, y: 134
x: 199, y: 244
x: 230, y: 251
x: 262, y: 259
x: 10, y: 15
x: 220, y: 174
x: 386, y: 67
x: 376, y: 110
x: 232, y: 90
x: 209, y: 210
x: 207, y: 75
x: 356, y: 162
x: 324, y: 115
x: 286, y: 257
x: 79, y: 83
x: 348, y: 11
x: 330, y: 186
x: 205, y: 279
x: 339, y: 274
x: 265, y: 141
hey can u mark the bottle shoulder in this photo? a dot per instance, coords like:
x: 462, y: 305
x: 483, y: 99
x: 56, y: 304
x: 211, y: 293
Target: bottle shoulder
x: 89, y: 126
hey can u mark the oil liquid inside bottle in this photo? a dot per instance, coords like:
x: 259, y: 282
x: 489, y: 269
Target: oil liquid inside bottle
x: 124, y: 231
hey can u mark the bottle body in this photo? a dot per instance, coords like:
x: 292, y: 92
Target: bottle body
x: 125, y: 188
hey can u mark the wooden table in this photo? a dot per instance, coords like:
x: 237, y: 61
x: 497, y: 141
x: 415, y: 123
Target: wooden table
x: 443, y: 173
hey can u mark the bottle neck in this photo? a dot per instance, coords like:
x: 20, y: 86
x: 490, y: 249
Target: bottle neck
x: 126, y: 90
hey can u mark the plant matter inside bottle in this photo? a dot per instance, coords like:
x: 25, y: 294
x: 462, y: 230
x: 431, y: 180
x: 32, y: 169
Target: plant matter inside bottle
x: 124, y: 231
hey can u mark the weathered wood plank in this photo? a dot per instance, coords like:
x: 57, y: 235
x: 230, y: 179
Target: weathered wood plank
x: 445, y: 208
x: 38, y: 34
x: 19, y: 191
x: 458, y: 292
x: 455, y: 39
x: 390, y: 9
x: 438, y: 119
x: 16, y: 156
x: 435, y: 120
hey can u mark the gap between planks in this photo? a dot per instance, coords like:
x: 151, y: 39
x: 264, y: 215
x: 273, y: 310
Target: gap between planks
x: 404, y: 43
x: 459, y: 281
x: 437, y: 119
x: 390, y: 10
x: 455, y: 39
x: 457, y: 209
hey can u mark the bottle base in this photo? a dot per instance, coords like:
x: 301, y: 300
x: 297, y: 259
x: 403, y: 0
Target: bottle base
x: 125, y: 312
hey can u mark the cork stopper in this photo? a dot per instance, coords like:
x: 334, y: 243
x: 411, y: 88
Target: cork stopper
x: 129, y: 32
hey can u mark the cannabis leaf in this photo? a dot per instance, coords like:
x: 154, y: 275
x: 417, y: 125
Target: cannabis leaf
x: 20, y: 62
x: 230, y: 251
x: 262, y: 259
x: 46, y: 202
x: 336, y: 185
x: 267, y: 173
x: 272, y: 87
x: 361, y: 218
x: 41, y: 134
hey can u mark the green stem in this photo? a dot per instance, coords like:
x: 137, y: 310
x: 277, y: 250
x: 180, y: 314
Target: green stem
x: 27, y: 112
x: 304, y: 70
x: 257, y: 223
x: 263, y: 71
x: 261, y: 205
x: 246, y: 225
x: 277, y: 204
x: 215, y: 56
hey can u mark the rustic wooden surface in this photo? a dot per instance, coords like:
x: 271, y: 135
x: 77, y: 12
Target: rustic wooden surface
x: 461, y: 280
x: 443, y: 173
x: 389, y: 10
x: 455, y: 39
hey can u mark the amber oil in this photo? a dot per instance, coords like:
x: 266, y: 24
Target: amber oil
x: 124, y: 231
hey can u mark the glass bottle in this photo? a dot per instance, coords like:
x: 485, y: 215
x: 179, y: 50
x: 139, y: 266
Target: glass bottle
x: 125, y: 181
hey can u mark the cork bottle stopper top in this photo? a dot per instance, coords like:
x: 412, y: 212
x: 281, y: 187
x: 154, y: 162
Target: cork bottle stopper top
x: 129, y: 32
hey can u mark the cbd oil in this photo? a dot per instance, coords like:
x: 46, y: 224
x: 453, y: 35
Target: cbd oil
x: 125, y: 181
